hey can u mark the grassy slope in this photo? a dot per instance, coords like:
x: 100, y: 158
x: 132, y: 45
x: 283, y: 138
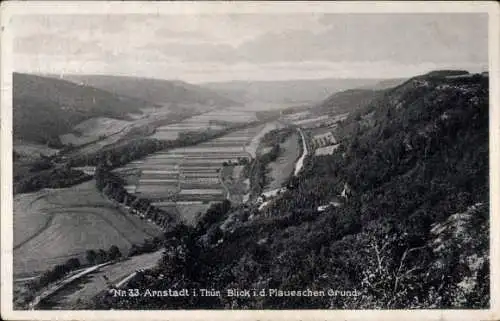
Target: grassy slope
x: 51, y: 226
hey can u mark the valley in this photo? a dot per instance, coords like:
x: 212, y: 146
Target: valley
x: 226, y: 193
x: 179, y: 160
x: 184, y: 182
x: 363, y: 209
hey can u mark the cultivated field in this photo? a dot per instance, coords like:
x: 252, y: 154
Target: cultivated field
x: 324, y: 136
x: 94, y: 134
x: 281, y: 169
x: 310, y: 121
x: 297, y: 116
x: 322, y: 140
x: 31, y: 150
x: 53, y: 225
x: 328, y: 150
x: 213, y: 120
x: 93, y: 129
x: 186, y: 180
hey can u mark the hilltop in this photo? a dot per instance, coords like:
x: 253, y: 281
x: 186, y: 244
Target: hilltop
x: 346, y: 101
x: 411, y: 232
x: 355, y: 98
x: 44, y: 107
x: 158, y: 91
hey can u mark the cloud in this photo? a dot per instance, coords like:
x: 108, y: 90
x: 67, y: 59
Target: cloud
x: 211, y: 47
x: 404, y: 38
x: 362, y: 37
x: 170, y: 34
x: 49, y: 44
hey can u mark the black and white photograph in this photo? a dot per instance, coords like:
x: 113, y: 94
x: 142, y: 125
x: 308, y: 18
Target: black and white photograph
x: 243, y: 156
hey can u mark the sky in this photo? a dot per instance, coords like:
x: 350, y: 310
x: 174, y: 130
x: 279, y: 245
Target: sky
x: 224, y: 47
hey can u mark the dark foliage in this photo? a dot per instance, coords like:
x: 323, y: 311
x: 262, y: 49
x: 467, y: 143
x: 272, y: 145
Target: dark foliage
x: 56, y: 273
x: 51, y: 178
x: 118, y: 155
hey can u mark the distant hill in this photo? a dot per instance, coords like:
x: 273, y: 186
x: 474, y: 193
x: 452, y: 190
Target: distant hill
x: 44, y: 107
x: 289, y: 91
x: 158, y: 91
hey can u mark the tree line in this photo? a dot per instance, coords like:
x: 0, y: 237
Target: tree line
x: 112, y: 186
x: 120, y: 154
x: 56, y: 171
x: 58, y: 177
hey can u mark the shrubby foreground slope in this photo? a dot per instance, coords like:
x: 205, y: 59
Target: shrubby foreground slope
x: 412, y: 233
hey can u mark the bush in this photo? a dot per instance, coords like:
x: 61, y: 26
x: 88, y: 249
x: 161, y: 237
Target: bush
x: 114, y: 252
x: 134, y: 250
x: 102, y: 256
x: 91, y: 256
x: 73, y: 264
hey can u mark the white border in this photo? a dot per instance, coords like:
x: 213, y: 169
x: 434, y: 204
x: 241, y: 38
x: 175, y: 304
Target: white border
x: 9, y: 9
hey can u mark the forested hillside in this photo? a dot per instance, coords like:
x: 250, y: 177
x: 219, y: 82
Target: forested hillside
x: 412, y: 230
x: 355, y: 98
x: 44, y: 108
x: 347, y: 101
x: 159, y: 91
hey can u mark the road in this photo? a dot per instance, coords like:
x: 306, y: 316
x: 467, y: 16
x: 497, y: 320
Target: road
x: 63, y: 283
x: 76, y: 294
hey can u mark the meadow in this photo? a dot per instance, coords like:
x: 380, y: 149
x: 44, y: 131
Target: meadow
x: 282, y: 168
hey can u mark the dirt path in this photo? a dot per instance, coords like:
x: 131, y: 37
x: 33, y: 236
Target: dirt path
x: 62, y: 283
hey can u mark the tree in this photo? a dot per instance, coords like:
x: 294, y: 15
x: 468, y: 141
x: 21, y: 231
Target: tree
x: 59, y: 270
x: 91, y: 256
x: 134, y: 250
x: 73, y: 264
x: 102, y: 256
x: 114, y: 252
